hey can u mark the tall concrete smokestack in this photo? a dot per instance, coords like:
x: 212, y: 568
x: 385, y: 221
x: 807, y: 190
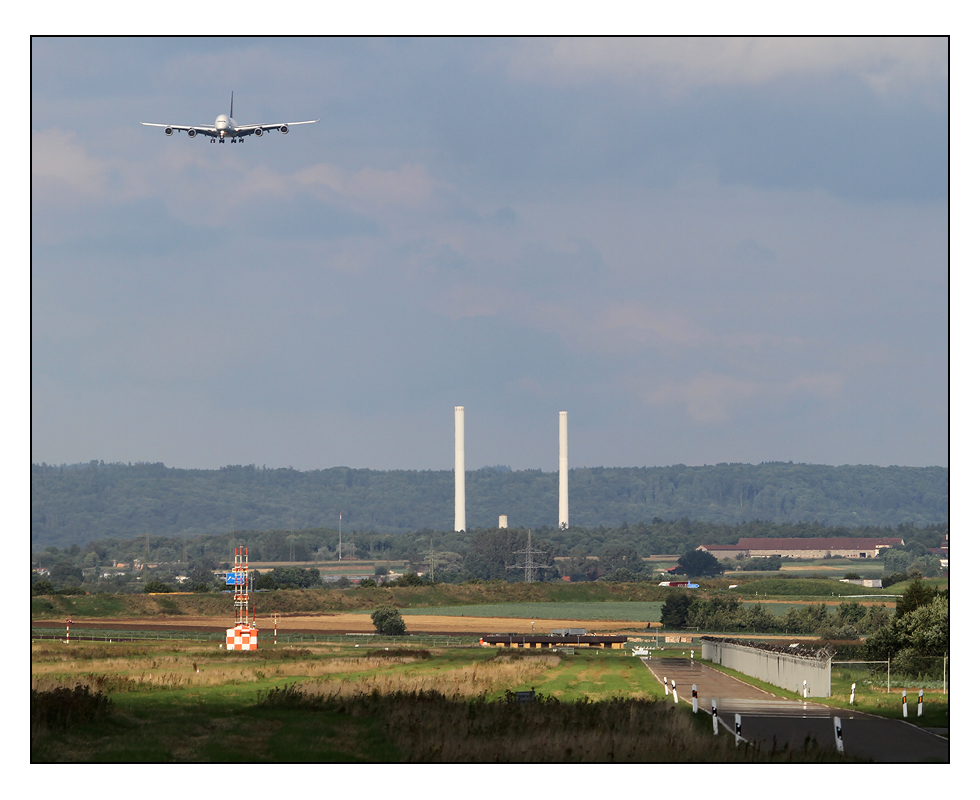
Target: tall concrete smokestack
x: 460, y: 474
x: 562, y: 469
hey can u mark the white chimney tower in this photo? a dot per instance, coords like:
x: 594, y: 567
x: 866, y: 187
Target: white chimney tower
x: 460, y: 474
x: 562, y: 469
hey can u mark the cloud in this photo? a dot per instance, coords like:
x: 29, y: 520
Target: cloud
x: 409, y: 186
x: 713, y: 398
x: 886, y: 64
x: 61, y: 169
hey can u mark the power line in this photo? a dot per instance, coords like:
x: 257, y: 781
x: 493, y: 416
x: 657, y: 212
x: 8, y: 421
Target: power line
x: 530, y: 567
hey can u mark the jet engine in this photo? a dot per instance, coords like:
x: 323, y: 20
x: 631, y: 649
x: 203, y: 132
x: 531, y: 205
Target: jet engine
x: 168, y: 131
x: 192, y: 133
x: 283, y: 129
x: 257, y: 131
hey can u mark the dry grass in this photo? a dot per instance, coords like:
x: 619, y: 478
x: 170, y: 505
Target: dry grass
x: 186, y: 665
x: 477, y: 679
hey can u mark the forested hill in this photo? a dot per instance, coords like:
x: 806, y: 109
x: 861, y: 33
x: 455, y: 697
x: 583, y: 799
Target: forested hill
x: 79, y: 503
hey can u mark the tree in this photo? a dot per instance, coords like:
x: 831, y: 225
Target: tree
x: 65, y: 574
x: 387, y: 621
x: 916, y: 595
x: 916, y: 641
x: 699, y: 564
x: 157, y: 587
x: 491, y: 552
x: 673, y: 613
x: 615, y: 557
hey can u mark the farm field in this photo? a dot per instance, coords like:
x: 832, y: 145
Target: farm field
x: 638, y: 612
x: 358, y: 622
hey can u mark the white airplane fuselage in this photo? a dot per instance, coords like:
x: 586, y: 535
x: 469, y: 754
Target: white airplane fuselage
x: 225, y: 126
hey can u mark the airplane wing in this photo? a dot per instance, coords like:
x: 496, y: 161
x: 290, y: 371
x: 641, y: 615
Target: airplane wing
x: 283, y: 127
x: 204, y: 130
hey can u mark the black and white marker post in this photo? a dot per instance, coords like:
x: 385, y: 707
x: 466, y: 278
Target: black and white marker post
x: 838, y: 735
x: 666, y: 690
x: 920, y: 703
x: 714, y: 716
x: 905, y: 705
x: 738, y: 729
x: 673, y: 687
x: 853, y: 687
x: 694, y: 697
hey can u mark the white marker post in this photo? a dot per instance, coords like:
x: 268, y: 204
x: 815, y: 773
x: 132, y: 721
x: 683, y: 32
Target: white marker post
x: 838, y: 735
x: 673, y: 687
x: 905, y: 705
x: 694, y: 697
x: 853, y: 687
x: 666, y: 690
x: 920, y: 702
x: 714, y: 716
x: 804, y: 690
x: 738, y: 729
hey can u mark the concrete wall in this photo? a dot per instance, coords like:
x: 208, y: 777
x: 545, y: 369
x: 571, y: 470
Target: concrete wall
x: 778, y: 668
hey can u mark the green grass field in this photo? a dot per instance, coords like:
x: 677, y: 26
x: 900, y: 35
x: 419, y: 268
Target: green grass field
x: 634, y: 612
x: 185, y: 702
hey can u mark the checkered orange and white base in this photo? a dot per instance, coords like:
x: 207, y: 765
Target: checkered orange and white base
x: 242, y: 637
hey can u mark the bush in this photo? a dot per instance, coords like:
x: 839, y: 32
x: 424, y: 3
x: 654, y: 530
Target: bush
x: 64, y: 707
x: 387, y: 621
x: 408, y: 579
x: 895, y: 577
x: 157, y: 587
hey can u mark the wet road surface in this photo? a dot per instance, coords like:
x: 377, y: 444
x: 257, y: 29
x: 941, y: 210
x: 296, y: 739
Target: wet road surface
x: 772, y: 722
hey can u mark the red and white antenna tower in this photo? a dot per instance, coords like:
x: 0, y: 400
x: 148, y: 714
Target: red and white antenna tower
x: 243, y: 636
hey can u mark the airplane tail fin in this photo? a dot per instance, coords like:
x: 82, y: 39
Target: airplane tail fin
x: 231, y: 111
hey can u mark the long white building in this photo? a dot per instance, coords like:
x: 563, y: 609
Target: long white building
x: 804, y: 547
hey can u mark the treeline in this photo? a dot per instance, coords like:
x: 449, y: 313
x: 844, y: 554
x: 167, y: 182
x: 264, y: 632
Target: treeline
x: 484, y: 554
x: 80, y: 503
x: 849, y: 620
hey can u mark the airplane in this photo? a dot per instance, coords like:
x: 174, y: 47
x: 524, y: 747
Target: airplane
x: 225, y: 127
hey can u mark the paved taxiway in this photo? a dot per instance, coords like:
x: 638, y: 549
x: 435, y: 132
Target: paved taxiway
x: 770, y: 721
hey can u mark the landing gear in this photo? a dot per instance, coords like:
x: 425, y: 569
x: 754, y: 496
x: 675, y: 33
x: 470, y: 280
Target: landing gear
x: 212, y: 141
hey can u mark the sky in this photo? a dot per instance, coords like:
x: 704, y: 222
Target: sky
x: 704, y: 250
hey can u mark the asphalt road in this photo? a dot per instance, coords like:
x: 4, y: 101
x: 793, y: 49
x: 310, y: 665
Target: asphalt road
x: 769, y: 721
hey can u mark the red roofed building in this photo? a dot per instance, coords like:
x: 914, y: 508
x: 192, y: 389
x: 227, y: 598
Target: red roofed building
x: 845, y: 547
